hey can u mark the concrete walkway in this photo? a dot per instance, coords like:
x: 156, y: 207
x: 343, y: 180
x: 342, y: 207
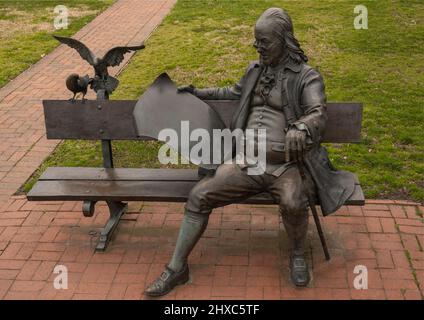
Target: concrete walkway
x: 243, y: 254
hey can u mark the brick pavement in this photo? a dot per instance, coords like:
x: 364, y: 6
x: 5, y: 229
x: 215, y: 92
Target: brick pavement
x: 243, y: 254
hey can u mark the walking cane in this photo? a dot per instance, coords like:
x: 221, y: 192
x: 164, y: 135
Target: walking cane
x: 311, y: 201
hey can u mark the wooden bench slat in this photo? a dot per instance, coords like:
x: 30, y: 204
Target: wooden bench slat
x: 358, y: 197
x: 114, y: 119
x: 119, y: 174
x: 87, y: 184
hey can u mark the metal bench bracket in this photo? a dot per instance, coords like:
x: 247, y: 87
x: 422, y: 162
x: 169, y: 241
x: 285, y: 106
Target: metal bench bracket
x: 116, y: 210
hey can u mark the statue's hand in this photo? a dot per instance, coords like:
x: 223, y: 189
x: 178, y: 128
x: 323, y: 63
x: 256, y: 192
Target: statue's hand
x: 295, y: 145
x: 189, y: 89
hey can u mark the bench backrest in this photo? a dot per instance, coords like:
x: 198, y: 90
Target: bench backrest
x: 113, y: 120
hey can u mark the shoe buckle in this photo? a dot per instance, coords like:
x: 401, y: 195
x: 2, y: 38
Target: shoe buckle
x: 299, y: 262
x: 164, y: 276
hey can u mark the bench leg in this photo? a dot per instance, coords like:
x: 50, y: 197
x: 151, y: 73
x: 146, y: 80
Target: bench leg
x: 116, y: 210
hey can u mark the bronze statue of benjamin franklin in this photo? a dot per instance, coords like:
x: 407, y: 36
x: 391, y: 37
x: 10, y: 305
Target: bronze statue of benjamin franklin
x: 285, y: 96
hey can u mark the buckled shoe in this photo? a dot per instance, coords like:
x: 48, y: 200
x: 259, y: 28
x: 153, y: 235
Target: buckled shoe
x: 299, y: 271
x: 167, y: 281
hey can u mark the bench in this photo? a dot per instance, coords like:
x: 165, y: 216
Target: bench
x: 108, y: 120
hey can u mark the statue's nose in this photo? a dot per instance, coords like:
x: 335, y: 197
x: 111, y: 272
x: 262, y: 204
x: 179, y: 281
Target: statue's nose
x: 257, y: 46
x: 260, y: 50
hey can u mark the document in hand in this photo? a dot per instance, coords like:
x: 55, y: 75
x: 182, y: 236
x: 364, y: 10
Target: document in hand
x: 162, y: 111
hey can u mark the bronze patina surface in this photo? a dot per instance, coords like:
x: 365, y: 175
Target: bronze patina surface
x: 285, y: 96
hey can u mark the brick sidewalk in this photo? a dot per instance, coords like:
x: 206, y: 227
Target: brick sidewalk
x: 243, y: 254
x: 23, y: 145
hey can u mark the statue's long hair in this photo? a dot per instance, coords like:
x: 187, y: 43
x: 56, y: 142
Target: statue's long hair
x: 284, y: 31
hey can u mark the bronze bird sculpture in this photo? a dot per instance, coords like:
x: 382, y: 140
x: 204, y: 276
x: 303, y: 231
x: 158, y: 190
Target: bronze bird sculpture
x: 112, y: 58
x: 77, y: 84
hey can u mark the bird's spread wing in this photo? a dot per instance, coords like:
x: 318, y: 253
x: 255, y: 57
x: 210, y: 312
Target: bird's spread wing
x: 116, y: 55
x: 84, y: 52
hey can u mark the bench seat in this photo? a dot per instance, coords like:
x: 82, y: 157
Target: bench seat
x: 127, y: 184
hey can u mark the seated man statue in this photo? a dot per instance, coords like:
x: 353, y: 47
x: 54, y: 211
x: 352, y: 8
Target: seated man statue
x: 285, y: 96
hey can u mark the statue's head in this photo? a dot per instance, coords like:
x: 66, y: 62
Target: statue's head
x: 274, y: 38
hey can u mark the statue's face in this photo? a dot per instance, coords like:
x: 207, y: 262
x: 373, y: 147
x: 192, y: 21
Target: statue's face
x: 269, y: 47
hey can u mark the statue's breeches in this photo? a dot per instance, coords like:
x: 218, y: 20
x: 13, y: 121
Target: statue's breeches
x: 231, y: 184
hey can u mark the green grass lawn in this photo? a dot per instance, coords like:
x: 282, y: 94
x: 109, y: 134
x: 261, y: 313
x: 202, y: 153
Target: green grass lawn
x: 209, y: 43
x: 27, y: 25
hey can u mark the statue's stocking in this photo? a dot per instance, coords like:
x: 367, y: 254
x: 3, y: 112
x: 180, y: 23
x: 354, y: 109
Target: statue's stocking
x: 192, y: 228
x: 296, y: 225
